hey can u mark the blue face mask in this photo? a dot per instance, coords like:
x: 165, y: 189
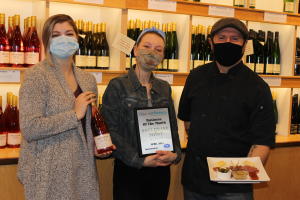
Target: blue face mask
x: 63, y: 46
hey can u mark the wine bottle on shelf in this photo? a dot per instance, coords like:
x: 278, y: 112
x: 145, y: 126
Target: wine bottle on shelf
x: 268, y: 53
x: 13, y: 126
x: 100, y: 131
x: 239, y: 3
x: 259, y: 66
x: 251, y: 3
x: 90, y: 48
x: 130, y: 34
x: 274, y: 97
x: 192, y: 47
x: 250, y: 59
x: 173, y: 54
x: 4, y: 44
x: 208, y: 53
x: 276, y: 55
x: 32, y: 48
x: 295, y: 115
x: 297, y: 62
x: 103, y: 48
x: 199, y: 53
x: 26, y: 30
x: 288, y: 6
x: 16, y: 54
x: 80, y: 57
x: 3, y: 133
x: 10, y: 29
x: 168, y: 47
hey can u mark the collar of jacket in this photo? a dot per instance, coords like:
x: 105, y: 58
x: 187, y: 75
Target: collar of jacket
x: 136, y: 83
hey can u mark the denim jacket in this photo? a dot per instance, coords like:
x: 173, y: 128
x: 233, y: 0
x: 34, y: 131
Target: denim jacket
x: 124, y: 94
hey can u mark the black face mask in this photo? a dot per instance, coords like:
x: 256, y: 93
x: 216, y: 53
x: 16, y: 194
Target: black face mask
x: 227, y: 53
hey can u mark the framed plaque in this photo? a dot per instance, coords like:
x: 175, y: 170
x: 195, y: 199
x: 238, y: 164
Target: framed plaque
x: 154, y: 130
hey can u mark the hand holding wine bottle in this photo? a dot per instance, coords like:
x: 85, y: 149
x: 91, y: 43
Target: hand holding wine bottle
x: 81, y: 103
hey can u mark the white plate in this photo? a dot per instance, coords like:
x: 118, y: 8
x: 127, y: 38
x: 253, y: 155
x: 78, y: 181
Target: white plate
x: 262, y: 174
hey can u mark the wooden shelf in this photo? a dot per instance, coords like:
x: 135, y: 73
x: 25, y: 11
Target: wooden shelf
x: 107, y: 3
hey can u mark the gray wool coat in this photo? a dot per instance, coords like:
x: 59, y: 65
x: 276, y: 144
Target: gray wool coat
x: 56, y: 160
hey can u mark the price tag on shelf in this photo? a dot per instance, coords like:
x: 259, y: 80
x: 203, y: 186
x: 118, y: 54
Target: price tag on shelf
x: 98, y: 76
x: 162, y: 5
x: 10, y: 76
x: 123, y: 43
x: 275, y: 17
x: 221, y: 11
x: 273, y: 81
x: 165, y: 77
x: 91, y: 1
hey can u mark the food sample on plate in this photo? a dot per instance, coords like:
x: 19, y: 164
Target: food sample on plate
x: 236, y: 171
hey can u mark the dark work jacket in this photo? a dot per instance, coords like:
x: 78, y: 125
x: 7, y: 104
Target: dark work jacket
x: 124, y: 94
x: 228, y: 113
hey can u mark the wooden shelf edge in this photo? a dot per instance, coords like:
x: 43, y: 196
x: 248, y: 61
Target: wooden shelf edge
x: 107, y: 3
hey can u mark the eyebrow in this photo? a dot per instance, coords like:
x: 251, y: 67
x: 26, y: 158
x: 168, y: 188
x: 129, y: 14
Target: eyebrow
x: 67, y: 31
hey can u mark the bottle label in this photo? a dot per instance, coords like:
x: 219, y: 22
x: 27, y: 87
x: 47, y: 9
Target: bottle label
x: 269, y: 68
x: 3, y: 140
x: 4, y: 57
x: 259, y: 68
x: 127, y: 62
x: 103, y: 61
x: 276, y: 69
x: 191, y: 64
x: 251, y: 66
x: 252, y: 3
x: 133, y: 60
x: 173, y: 64
x: 32, y: 58
x: 289, y: 7
x: 80, y: 60
x: 91, y: 61
x: 14, y: 138
x: 198, y: 63
x: 16, y: 57
x: 165, y: 64
x: 103, y: 141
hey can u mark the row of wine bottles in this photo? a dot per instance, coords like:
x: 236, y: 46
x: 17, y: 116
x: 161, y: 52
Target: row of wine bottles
x: 295, y: 115
x: 19, y: 50
x: 200, y: 47
x: 93, y: 52
x: 266, y: 56
x: 170, y: 62
x: 297, y: 58
x: 10, y: 135
x: 243, y: 3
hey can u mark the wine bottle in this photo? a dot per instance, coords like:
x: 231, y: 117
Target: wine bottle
x: 130, y: 34
x: 13, y: 126
x: 297, y: 62
x: 10, y: 29
x: 3, y: 133
x: 4, y: 45
x: 173, y: 55
x: 16, y: 54
x: 251, y: 3
x: 103, y: 48
x: 199, y: 53
x: 26, y: 30
x: 268, y: 53
x: 239, y: 3
x: 32, y: 49
x: 208, y: 57
x: 192, y: 47
x: 288, y: 6
x: 168, y: 47
x: 100, y: 131
x: 274, y: 96
x: 276, y: 55
x: 250, y: 59
x: 80, y: 57
x: 90, y: 48
x: 294, y: 117
x: 259, y: 66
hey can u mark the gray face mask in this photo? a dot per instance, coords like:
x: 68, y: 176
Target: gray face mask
x: 148, y: 59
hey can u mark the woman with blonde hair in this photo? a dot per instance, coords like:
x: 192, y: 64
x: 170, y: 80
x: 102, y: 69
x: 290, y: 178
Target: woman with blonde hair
x: 57, y: 150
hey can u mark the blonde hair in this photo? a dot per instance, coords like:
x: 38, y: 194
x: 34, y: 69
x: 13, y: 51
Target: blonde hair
x: 48, y: 29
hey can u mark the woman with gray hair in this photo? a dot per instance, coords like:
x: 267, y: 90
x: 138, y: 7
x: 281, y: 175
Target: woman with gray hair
x: 57, y: 150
